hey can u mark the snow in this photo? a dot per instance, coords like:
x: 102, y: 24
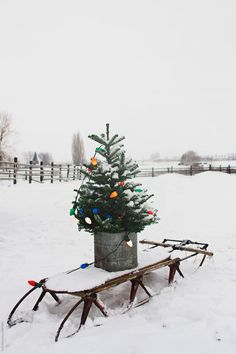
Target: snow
x: 90, y: 277
x: 196, y: 314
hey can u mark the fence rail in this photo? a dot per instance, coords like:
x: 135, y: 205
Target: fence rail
x: 185, y: 170
x: 38, y: 173
x: 14, y: 171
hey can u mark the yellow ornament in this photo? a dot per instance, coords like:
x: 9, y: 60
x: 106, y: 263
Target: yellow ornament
x: 113, y: 195
x: 94, y: 161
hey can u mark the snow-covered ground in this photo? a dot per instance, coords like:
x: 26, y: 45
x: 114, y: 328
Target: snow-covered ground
x: 144, y: 164
x: 196, y: 315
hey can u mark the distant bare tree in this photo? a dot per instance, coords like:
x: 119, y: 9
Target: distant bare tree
x: 77, y: 149
x: 45, y: 157
x: 190, y: 157
x: 5, y: 132
x: 28, y: 156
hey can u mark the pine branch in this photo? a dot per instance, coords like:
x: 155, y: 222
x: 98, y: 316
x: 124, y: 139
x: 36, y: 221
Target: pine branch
x: 111, y: 141
x: 102, y: 153
x: 117, y: 141
x: 113, y: 153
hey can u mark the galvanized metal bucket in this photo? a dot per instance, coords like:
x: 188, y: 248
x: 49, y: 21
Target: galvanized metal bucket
x: 112, y: 253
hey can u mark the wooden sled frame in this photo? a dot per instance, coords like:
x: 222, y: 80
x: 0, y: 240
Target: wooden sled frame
x: 90, y: 296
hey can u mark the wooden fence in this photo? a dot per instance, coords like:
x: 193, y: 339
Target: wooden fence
x: 14, y: 171
x: 184, y: 170
x: 38, y: 173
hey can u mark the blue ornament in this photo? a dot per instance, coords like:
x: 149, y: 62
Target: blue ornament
x: 96, y: 210
x: 108, y: 216
x: 81, y: 210
x: 84, y: 265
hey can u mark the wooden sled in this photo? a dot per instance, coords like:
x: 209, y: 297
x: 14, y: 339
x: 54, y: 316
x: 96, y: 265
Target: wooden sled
x: 89, y: 296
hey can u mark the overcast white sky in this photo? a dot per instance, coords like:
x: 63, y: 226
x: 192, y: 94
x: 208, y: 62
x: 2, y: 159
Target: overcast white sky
x: 162, y: 73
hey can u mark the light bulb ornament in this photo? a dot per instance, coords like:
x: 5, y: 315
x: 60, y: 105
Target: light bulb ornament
x: 99, y: 149
x: 121, y: 184
x: 75, y: 202
x: 113, y: 195
x: 94, y: 161
x: 34, y: 283
x: 84, y: 265
x: 72, y: 211
x: 128, y: 240
x: 96, y: 211
x: 88, y: 220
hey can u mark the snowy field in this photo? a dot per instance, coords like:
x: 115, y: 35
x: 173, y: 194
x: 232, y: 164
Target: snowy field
x: 195, y: 315
x: 175, y: 164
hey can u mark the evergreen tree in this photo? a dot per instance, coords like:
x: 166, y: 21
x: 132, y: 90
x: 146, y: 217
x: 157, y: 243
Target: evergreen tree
x: 109, y: 201
x: 35, y: 159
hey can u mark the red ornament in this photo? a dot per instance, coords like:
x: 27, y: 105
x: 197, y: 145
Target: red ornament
x: 89, y: 170
x: 150, y: 212
x: 121, y: 184
x: 32, y: 282
x: 121, y: 216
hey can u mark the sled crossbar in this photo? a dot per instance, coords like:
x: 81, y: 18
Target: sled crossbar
x: 178, y: 247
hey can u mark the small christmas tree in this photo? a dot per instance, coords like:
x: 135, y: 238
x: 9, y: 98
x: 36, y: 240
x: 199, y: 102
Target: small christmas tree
x: 110, y: 201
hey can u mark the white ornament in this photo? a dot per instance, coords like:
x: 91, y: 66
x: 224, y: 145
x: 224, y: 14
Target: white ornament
x: 88, y: 220
x: 130, y: 243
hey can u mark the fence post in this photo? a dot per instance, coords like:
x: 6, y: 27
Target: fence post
x: 191, y: 170
x: 41, y: 171
x: 68, y: 171
x: 59, y: 173
x: 210, y: 167
x: 168, y: 169
x: 14, y: 170
x: 73, y: 172
x: 152, y: 171
x: 30, y: 171
x: 171, y: 169
x: 229, y: 169
x: 80, y: 173
x: 52, y: 172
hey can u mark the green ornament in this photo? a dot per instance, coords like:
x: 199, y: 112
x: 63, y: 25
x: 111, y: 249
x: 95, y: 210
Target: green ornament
x: 138, y: 190
x: 72, y: 211
x: 100, y: 149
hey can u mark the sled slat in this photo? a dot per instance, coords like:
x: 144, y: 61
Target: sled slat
x: 177, y: 247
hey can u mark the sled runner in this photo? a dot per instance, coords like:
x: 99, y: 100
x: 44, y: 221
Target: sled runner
x: 87, y: 284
